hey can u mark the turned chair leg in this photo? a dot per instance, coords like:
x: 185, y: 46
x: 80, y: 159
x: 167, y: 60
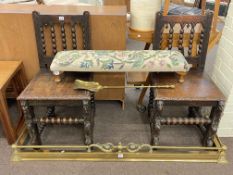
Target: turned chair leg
x: 92, y: 113
x: 140, y: 106
x: 155, y: 122
x: 150, y: 107
x: 93, y: 103
x: 88, y: 122
x: 195, y: 111
x: 49, y: 113
x: 31, y: 124
x: 211, y: 129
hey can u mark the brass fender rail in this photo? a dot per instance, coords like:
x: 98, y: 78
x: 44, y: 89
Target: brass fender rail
x: 110, y: 152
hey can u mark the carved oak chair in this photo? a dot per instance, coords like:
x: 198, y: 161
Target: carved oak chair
x: 55, y: 33
x: 197, y: 90
x: 215, y: 35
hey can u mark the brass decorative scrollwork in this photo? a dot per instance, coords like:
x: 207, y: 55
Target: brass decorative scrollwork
x: 131, y: 147
x: 107, y: 147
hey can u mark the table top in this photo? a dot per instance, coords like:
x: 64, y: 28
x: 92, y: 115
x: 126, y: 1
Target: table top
x: 43, y: 87
x: 7, y: 71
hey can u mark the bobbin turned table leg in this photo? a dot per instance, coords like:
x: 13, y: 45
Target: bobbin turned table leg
x: 31, y: 125
x: 215, y: 117
x: 88, y: 121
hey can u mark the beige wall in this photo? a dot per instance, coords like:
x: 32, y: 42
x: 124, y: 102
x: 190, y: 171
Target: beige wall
x: 223, y: 74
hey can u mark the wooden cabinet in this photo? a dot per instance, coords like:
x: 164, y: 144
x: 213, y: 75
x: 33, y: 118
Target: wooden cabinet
x: 118, y: 2
x: 110, y: 79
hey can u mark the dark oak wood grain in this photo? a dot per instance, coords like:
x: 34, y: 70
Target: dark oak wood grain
x: 197, y: 87
x: 193, y: 52
x: 55, y: 28
x: 197, y: 90
x: 51, y: 36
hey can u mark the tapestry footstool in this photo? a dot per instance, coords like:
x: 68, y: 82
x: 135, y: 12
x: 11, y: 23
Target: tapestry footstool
x: 119, y: 61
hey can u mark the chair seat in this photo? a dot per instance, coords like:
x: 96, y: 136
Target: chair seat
x: 43, y: 87
x: 196, y: 87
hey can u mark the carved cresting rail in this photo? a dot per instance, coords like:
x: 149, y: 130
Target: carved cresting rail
x: 118, y: 61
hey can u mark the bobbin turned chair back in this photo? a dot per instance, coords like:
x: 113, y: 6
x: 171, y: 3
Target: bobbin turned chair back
x: 188, y: 34
x: 60, y: 32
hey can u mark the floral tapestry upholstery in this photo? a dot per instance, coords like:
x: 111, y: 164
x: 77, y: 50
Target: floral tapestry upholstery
x: 119, y: 61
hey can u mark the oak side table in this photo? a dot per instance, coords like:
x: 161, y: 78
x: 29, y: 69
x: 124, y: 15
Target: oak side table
x: 12, y: 77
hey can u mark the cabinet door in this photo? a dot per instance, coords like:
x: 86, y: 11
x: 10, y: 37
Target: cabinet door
x: 110, y: 79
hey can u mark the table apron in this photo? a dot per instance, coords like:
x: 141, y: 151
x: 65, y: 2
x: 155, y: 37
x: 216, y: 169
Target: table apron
x: 190, y: 103
x: 54, y: 102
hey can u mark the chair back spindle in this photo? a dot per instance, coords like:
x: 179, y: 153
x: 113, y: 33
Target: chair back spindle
x: 188, y: 34
x: 60, y: 32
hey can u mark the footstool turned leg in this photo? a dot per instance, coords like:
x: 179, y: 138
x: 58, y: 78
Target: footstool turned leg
x: 29, y: 115
x: 88, y: 122
x: 155, y: 123
x: 181, y: 76
x: 215, y: 117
